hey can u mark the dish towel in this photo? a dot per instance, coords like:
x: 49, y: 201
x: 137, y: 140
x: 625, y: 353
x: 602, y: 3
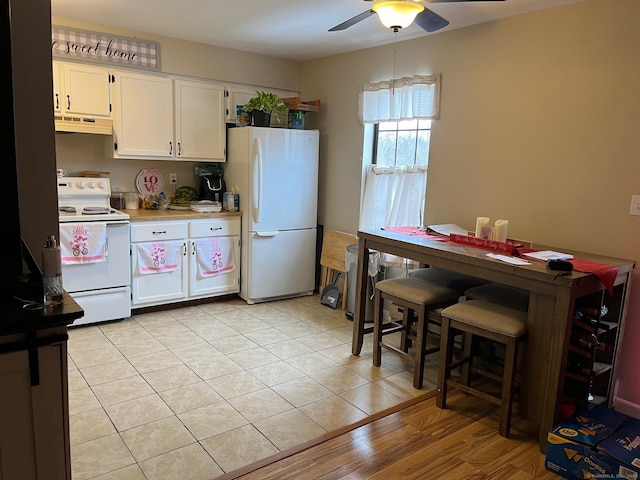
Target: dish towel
x: 83, y: 243
x: 158, y: 257
x: 215, y: 256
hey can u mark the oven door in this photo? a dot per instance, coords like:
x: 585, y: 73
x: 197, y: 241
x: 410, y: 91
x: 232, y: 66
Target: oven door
x: 113, y: 272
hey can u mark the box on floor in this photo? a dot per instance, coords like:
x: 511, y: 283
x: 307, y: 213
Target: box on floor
x: 595, y: 442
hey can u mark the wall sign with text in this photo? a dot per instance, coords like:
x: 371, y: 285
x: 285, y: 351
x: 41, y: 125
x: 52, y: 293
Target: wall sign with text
x: 105, y: 48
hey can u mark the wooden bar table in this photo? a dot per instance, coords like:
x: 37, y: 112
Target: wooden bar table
x: 551, y: 308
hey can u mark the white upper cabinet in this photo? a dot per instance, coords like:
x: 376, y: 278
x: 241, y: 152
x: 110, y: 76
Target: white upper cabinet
x: 143, y: 116
x: 81, y: 90
x: 162, y: 118
x: 199, y: 122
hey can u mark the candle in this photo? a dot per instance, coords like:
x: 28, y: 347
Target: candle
x: 501, y: 230
x: 480, y: 223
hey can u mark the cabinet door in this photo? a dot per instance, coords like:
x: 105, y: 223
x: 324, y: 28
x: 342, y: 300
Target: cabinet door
x: 238, y: 96
x: 86, y: 90
x: 57, y: 85
x: 34, y: 438
x: 214, y: 242
x: 161, y: 287
x: 200, y: 127
x: 143, y: 116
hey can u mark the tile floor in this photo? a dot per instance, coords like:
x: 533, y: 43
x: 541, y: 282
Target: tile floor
x: 196, y: 392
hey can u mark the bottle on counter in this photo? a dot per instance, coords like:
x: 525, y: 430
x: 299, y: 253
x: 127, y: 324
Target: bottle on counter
x: 52, y: 273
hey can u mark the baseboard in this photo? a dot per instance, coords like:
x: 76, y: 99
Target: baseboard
x: 628, y: 408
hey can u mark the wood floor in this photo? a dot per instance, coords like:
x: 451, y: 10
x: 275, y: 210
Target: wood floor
x: 418, y: 442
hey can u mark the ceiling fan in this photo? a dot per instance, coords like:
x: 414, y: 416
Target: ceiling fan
x: 397, y: 14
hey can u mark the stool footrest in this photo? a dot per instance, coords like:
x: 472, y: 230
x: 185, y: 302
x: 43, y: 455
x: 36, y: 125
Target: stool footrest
x: 474, y: 392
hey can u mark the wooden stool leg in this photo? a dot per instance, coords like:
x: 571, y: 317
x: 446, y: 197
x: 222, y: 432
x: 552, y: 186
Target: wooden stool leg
x: 405, y: 341
x: 446, y: 356
x: 467, y: 352
x: 421, y: 343
x: 507, y: 388
x: 378, y: 313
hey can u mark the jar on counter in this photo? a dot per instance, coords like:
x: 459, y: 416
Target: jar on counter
x: 117, y: 200
x: 131, y: 200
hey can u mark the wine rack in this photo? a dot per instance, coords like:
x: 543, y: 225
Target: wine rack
x: 591, y: 347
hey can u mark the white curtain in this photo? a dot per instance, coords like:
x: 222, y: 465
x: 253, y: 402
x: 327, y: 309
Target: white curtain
x: 393, y: 196
x: 405, y: 98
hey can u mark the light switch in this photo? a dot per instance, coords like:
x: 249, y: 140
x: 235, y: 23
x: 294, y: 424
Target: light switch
x: 635, y: 205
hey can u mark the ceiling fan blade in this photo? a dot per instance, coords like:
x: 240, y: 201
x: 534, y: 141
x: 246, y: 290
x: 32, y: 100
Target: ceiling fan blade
x: 352, y: 21
x: 459, y: 1
x: 430, y: 21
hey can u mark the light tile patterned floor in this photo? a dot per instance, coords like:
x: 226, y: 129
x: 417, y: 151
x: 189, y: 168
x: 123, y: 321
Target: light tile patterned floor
x: 196, y: 392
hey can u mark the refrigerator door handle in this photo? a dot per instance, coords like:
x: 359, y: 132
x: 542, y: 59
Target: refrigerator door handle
x: 271, y: 233
x: 257, y: 186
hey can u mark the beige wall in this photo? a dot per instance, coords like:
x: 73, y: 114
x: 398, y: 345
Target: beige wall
x: 540, y: 125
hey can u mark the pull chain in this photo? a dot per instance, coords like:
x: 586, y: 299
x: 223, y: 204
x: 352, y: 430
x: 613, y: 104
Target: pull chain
x: 393, y: 79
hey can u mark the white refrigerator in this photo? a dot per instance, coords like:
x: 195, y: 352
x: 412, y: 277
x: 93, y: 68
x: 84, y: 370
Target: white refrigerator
x: 275, y: 173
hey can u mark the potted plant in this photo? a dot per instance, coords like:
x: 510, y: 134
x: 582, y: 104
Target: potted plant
x: 262, y: 106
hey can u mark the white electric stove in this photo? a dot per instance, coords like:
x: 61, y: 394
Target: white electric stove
x: 101, y: 288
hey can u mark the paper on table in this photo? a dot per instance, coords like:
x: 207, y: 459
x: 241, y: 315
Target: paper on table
x: 506, y: 258
x: 549, y: 255
x: 447, y: 229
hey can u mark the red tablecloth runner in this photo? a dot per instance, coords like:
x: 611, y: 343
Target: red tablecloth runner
x: 606, y: 273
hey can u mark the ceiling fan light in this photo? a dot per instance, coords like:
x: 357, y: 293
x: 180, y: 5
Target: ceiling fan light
x: 396, y: 14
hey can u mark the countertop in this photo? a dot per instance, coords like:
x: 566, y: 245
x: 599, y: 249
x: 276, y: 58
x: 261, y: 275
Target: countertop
x: 146, y: 215
x: 19, y: 320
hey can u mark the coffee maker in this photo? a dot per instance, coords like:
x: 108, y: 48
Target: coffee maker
x: 212, y: 185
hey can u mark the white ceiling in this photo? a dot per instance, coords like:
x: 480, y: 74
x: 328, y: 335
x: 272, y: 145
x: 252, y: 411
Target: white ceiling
x: 296, y: 30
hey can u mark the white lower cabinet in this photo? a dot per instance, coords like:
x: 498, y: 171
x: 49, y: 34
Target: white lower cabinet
x: 214, y: 257
x: 163, y: 280
x: 174, y: 261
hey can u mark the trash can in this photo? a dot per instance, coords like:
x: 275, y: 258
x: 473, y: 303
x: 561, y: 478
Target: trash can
x: 351, y: 262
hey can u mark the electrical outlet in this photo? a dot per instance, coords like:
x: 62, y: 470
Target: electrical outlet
x: 635, y: 205
x: 173, y: 178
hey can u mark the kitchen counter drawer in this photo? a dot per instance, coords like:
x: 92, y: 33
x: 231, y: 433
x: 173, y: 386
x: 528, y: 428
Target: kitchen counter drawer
x: 151, y: 232
x: 213, y: 228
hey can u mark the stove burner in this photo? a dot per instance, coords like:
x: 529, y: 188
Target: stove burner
x: 95, y: 210
x: 67, y: 209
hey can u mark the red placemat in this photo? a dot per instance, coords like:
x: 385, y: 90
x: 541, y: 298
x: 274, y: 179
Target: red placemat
x: 606, y: 273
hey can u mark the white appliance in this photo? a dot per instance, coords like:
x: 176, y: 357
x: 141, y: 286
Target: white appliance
x: 275, y: 171
x: 102, y: 289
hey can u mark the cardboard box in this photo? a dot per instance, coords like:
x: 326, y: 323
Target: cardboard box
x: 624, y: 447
x: 576, y: 461
x: 591, y: 424
x: 571, y: 445
x: 294, y: 103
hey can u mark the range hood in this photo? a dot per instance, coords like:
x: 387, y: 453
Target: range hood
x: 78, y: 124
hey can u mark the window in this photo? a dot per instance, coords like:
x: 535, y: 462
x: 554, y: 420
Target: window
x: 404, y: 143
x: 400, y: 113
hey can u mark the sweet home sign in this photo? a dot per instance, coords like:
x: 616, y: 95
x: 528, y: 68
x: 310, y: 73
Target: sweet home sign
x: 104, y: 48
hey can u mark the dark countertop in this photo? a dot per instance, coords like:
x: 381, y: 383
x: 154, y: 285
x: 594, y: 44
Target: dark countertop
x: 15, y: 319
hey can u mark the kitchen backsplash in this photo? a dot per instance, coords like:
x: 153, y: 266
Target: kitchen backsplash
x: 78, y: 152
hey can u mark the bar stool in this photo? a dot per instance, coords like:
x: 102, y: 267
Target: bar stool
x: 487, y: 320
x: 414, y: 296
x: 506, y: 295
